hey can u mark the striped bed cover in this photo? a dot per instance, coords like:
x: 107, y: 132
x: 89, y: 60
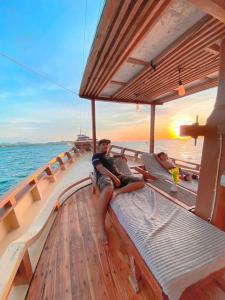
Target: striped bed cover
x: 178, y: 247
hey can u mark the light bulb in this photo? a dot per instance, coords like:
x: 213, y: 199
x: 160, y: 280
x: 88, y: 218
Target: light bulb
x: 181, y: 89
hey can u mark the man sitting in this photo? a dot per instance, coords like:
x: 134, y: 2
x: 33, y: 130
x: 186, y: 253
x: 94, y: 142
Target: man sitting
x: 108, y: 177
x: 168, y: 164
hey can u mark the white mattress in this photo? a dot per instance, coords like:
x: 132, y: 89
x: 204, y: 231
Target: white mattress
x: 155, y: 169
x: 178, y: 247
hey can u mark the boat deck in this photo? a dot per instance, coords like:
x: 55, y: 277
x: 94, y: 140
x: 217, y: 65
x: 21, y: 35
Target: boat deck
x: 73, y: 265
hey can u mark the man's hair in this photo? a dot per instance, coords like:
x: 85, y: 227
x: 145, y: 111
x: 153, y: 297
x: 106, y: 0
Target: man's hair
x: 161, y: 153
x: 103, y: 141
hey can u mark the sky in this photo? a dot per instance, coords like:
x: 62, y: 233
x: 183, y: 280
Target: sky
x: 53, y: 37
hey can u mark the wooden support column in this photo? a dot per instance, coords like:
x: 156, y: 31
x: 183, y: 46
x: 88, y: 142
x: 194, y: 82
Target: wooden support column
x: 210, y: 198
x: 152, y: 129
x: 93, y: 125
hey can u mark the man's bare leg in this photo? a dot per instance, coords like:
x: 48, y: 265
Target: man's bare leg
x: 104, y: 199
x: 131, y: 187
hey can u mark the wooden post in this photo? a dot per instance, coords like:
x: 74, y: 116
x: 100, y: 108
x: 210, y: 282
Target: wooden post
x: 152, y: 129
x: 210, y: 202
x: 93, y: 125
x: 24, y: 273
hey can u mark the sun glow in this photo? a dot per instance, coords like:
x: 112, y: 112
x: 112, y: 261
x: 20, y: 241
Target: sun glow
x: 174, y: 128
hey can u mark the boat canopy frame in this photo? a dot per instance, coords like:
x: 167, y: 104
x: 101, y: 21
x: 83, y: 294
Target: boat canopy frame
x: 142, y: 49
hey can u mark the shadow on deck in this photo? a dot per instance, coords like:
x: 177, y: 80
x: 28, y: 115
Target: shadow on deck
x: 73, y: 265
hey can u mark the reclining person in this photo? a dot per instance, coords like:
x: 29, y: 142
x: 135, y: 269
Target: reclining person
x: 108, y: 177
x: 168, y: 164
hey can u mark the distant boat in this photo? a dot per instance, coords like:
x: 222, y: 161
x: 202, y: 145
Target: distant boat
x: 83, y: 142
x: 83, y: 137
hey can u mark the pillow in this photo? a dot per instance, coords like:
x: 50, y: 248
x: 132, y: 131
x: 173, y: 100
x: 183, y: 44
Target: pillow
x: 122, y: 166
x: 153, y: 167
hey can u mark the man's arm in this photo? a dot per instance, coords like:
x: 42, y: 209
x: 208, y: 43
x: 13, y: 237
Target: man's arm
x: 102, y: 170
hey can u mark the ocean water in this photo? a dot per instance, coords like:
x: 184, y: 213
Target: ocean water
x: 179, y: 148
x: 18, y: 162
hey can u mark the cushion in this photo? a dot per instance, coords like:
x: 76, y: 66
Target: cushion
x: 122, y: 166
x: 153, y: 167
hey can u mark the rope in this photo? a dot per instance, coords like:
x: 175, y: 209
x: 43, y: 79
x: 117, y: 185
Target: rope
x: 31, y: 70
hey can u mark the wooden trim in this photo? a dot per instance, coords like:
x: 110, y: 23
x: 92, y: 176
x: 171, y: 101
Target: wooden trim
x: 135, y: 61
x: 117, y: 100
x: 31, y: 185
x: 118, y: 82
x: 215, y: 8
x: 24, y: 273
x: 132, y: 250
x: 214, y: 49
x: 169, y: 197
x: 149, y: 178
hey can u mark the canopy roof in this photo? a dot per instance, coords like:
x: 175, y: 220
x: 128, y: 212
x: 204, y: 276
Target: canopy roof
x: 140, y: 45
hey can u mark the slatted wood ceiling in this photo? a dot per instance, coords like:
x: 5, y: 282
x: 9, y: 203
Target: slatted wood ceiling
x: 122, y: 27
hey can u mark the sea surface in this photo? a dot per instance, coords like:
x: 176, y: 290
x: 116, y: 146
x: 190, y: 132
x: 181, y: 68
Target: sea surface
x: 20, y: 161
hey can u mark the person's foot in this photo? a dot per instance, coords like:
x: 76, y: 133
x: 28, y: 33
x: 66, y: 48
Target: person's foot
x: 103, y: 239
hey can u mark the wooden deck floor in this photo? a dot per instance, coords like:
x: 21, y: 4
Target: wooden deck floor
x: 73, y: 265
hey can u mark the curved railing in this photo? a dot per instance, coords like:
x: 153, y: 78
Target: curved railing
x: 31, y: 184
x: 15, y: 263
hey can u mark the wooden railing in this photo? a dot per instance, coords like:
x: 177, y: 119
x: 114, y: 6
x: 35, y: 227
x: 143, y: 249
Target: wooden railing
x: 31, y: 184
x: 136, y: 155
x: 129, y: 152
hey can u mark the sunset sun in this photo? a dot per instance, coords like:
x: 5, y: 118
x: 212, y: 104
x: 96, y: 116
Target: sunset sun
x: 174, y: 128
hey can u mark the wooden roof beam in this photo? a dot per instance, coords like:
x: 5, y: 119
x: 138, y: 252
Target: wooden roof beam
x: 128, y: 39
x: 118, y: 100
x: 215, y: 8
x: 136, y: 61
x: 189, y: 91
x: 214, y: 49
x: 165, y: 56
x: 118, y: 82
x: 185, y: 56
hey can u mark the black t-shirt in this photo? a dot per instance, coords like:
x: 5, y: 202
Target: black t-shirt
x: 106, y: 161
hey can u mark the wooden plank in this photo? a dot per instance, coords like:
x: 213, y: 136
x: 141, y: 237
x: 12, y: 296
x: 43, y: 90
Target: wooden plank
x: 139, y: 62
x: 172, y: 48
x: 215, y: 8
x: 214, y: 49
x: 142, y: 23
x: 103, y: 30
x: 118, y: 82
x: 74, y: 265
x: 24, y: 273
x: 185, y: 52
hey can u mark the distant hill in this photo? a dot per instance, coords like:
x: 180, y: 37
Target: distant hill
x: 2, y: 145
